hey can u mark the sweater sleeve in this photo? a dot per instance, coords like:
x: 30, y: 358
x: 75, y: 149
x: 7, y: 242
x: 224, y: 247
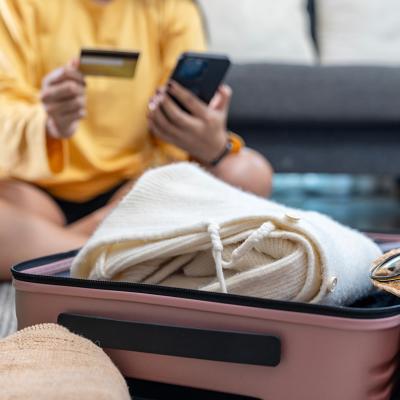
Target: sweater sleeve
x: 182, y: 30
x: 25, y: 150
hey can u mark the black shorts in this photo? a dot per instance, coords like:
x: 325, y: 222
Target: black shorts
x: 73, y: 211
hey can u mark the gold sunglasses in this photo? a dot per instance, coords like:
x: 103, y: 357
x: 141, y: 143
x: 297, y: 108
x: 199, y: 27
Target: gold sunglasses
x: 385, y: 273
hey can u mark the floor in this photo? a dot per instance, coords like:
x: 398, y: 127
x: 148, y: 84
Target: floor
x: 365, y: 203
x: 8, y: 321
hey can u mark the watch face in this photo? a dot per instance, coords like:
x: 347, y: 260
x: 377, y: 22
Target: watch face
x: 387, y: 267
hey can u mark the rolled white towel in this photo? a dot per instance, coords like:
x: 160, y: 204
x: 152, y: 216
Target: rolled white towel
x: 180, y: 226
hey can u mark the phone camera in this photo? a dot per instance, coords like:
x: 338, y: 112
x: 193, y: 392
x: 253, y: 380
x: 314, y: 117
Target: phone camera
x: 193, y: 68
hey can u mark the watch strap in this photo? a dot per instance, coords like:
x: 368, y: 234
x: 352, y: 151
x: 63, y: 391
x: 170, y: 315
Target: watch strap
x: 233, y: 145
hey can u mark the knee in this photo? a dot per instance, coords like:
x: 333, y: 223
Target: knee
x: 28, y: 198
x: 261, y: 174
x: 5, y: 207
x: 11, y: 191
x: 251, y: 171
x: 6, y: 210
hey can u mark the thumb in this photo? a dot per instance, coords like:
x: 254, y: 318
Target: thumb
x: 222, y: 99
x: 74, y: 63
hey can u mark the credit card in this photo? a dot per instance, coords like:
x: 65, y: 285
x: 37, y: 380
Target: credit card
x: 112, y: 63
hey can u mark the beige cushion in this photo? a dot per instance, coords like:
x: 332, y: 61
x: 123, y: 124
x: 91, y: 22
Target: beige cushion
x: 359, y: 31
x: 260, y: 30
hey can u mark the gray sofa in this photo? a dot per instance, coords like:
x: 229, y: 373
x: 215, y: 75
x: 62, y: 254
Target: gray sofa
x: 318, y: 118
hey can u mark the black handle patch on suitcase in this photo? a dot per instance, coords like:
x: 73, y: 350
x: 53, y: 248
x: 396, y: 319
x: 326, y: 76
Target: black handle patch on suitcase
x: 226, y: 346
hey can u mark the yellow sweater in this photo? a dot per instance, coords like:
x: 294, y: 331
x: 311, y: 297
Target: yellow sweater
x: 112, y: 142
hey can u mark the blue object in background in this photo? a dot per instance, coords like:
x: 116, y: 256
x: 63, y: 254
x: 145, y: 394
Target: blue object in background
x: 363, y: 202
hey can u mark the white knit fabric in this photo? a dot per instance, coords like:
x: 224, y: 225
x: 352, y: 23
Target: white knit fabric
x: 182, y: 227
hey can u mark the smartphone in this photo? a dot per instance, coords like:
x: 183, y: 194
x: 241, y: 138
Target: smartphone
x: 110, y: 63
x: 201, y: 73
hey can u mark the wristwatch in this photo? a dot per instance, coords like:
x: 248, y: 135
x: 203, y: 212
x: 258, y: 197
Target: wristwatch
x: 233, y: 146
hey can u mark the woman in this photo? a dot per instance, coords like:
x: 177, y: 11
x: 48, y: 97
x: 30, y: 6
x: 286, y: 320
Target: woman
x: 70, y: 146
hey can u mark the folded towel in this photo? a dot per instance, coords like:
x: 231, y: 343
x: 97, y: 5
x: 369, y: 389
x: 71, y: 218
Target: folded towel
x: 182, y: 227
x: 48, y: 362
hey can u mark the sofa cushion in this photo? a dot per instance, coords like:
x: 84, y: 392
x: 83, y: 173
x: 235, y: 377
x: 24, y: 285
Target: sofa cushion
x: 359, y: 31
x: 260, y: 30
x: 286, y: 94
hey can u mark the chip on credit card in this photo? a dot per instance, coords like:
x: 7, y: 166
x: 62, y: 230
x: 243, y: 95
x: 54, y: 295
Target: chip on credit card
x: 111, y: 63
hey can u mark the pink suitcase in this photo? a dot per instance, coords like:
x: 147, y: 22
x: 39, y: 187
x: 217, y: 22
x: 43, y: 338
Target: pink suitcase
x: 216, y: 346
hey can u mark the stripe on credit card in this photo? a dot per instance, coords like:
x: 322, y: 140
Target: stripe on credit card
x: 91, y: 60
x: 111, y: 63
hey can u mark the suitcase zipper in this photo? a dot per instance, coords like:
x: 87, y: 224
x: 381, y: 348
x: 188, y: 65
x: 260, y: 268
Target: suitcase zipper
x: 19, y: 273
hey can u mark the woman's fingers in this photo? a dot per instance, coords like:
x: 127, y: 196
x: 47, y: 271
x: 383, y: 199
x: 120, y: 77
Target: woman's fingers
x: 74, y: 63
x: 68, y: 73
x: 65, y: 126
x: 63, y: 96
x: 66, y: 106
x: 67, y: 119
x: 222, y: 98
x: 156, y: 99
x: 176, y: 115
x: 71, y: 74
x: 190, y: 101
x: 160, y: 133
x: 201, y: 130
x: 163, y: 124
x: 63, y: 91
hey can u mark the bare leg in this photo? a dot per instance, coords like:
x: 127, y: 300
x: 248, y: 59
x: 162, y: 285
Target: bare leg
x: 122, y: 192
x: 31, y: 226
x: 87, y: 225
x: 33, y: 200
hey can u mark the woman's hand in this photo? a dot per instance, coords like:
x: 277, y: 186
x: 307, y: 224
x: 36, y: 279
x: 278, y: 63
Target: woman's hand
x: 63, y: 97
x: 202, y: 131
